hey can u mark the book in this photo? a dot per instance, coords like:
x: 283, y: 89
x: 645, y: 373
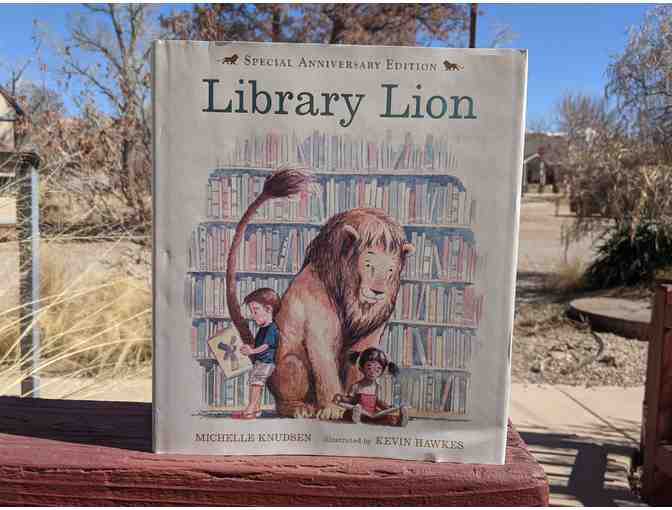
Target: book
x: 348, y: 223
x: 225, y: 345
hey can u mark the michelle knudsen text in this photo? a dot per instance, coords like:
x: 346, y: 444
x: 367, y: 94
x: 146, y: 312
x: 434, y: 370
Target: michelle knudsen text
x: 251, y: 98
x: 261, y: 437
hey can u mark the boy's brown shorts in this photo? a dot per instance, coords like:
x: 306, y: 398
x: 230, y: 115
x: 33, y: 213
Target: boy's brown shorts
x: 260, y: 373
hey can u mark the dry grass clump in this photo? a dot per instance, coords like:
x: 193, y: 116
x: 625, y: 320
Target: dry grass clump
x: 567, y: 277
x: 93, y: 322
x: 111, y: 316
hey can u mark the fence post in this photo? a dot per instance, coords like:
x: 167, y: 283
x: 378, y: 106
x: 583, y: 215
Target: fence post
x: 28, y: 234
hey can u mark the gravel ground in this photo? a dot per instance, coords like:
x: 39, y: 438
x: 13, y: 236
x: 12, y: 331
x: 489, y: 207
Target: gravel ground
x: 548, y: 347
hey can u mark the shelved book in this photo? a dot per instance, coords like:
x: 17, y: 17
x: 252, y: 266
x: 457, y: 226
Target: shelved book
x: 335, y: 249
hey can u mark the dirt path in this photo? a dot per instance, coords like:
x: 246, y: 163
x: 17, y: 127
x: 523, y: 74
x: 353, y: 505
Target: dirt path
x: 541, y: 249
x: 7, y: 209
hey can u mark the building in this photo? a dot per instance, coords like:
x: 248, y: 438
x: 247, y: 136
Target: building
x: 10, y: 113
x: 542, y: 160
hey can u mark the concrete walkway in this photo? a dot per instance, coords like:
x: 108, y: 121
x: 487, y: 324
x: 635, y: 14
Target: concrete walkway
x: 7, y: 209
x: 583, y: 437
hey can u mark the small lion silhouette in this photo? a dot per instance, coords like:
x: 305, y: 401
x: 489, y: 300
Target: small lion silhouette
x: 229, y: 60
x: 452, y: 67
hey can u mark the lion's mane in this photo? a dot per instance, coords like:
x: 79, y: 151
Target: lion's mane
x: 334, y: 255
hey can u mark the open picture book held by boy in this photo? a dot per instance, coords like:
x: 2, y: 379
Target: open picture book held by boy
x: 335, y: 248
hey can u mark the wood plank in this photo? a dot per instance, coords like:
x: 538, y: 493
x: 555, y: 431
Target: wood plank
x: 664, y: 459
x: 668, y: 306
x: 665, y: 397
x: 662, y: 495
x: 98, y: 453
x: 652, y: 390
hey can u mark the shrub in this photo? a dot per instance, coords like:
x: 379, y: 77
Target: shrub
x: 630, y: 258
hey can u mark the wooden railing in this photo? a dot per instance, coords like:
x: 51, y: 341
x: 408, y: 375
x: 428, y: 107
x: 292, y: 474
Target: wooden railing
x: 73, y: 453
x: 656, y: 442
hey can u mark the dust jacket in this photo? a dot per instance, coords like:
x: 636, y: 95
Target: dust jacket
x: 335, y: 245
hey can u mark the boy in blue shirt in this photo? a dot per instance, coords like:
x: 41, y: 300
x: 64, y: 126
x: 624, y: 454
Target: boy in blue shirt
x: 264, y: 305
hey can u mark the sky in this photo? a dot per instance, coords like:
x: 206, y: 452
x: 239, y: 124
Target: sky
x: 569, y: 45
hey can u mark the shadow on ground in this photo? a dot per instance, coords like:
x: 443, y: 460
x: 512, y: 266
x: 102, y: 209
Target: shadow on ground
x: 589, y: 467
x: 532, y: 287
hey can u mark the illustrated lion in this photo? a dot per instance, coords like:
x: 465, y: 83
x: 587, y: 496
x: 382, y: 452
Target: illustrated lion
x: 450, y: 66
x: 339, y: 301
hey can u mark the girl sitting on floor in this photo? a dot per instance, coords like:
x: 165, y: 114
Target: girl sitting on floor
x: 362, y: 400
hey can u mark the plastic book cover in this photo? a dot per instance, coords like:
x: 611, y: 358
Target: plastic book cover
x: 335, y: 243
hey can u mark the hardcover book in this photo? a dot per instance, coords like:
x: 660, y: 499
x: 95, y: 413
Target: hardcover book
x: 335, y: 244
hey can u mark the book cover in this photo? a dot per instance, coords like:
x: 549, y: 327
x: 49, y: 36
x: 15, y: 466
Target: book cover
x: 225, y: 345
x: 335, y: 243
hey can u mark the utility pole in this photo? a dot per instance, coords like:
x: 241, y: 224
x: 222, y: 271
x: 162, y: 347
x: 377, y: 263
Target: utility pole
x: 24, y: 164
x: 28, y: 230
x: 472, y: 26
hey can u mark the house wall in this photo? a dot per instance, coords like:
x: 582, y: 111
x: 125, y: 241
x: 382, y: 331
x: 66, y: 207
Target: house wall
x: 7, y: 116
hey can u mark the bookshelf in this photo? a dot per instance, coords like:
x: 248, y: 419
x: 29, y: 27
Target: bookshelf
x: 432, y: 332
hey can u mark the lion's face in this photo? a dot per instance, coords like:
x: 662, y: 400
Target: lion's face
x: 378, y: 275
x: 359, y: 256
x: 370, y: 289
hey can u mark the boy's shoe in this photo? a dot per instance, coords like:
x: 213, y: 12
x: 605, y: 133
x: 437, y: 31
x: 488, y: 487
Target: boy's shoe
x: 356, y: 414
x: 242, y: 415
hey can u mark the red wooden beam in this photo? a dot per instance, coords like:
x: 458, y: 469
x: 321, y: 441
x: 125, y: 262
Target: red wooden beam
x: 667, y: 289
x: 61, y: 452
x: 657, y: 415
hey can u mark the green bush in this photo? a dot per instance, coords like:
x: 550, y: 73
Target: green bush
x: 629, y: 260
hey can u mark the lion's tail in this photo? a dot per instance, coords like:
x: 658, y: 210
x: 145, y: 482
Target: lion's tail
x: 281, y: 184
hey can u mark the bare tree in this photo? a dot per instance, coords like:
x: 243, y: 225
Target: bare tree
x: 407, y: 24
x: 640, y: 78
x: 247, y: 22
x: 18, y: 68
x: 581, y: 117
x: 32, y: 96
x: 15, y: 75
x: 589, y: 129
x: 620, y: 160
x: 502, y: 34
x: 617, y: 182
x: 107, y: 52
x: 540, y: 124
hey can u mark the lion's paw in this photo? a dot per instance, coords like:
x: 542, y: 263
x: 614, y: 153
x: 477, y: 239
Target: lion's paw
x: 331, y: 412
x: 304, y: 412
